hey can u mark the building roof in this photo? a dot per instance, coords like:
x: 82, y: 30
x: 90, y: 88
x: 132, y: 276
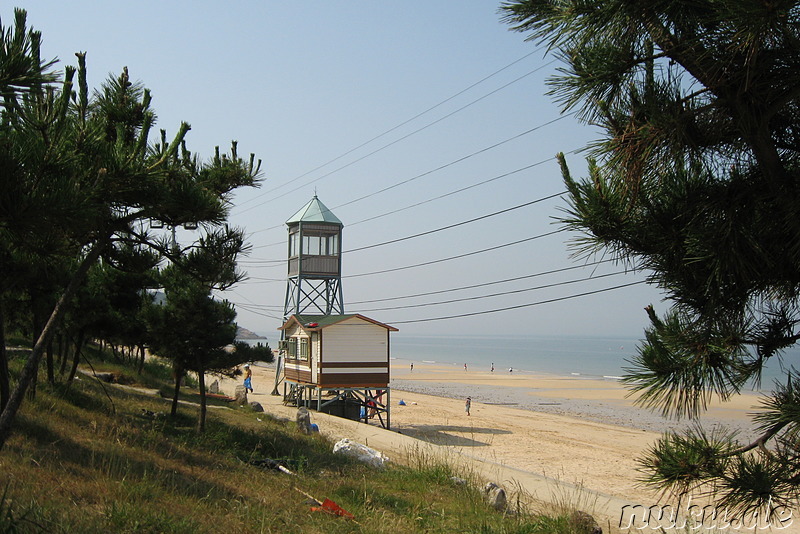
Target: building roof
x: 323, y: 321
x: 314, y: 211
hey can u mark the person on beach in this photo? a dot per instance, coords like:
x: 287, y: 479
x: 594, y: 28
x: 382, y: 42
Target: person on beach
x: 510, y: 369
x: 493, y: 367
x: 467, y: 405
x: 465, y: 367
x: 248, y: 375
x: 412, y: 367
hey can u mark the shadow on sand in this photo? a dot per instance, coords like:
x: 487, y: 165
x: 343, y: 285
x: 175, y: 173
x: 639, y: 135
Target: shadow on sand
x: 454, y: 436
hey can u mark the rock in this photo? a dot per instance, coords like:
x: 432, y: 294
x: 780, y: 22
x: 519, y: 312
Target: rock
x: 240, y: 395
x: 303, y: 420
x: 585, y: 523
x: 214, y: 387
x: 256, y: 406
x: 457, y: 481
x: 495, y: 496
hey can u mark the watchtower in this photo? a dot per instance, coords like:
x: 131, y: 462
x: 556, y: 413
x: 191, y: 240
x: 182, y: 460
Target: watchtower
x: 314, y: 281
x: 348, y: 373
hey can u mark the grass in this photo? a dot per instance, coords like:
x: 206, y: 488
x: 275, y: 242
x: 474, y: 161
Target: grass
x: 89, y: 458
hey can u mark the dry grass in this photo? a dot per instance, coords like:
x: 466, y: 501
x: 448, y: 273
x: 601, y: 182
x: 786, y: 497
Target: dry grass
x: 89, y: 458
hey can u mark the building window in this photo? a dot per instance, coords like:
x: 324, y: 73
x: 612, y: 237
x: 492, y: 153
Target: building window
x: 303, y: 355
x: 333, y: 245
x: 312, y: 245
x: 291, y: 347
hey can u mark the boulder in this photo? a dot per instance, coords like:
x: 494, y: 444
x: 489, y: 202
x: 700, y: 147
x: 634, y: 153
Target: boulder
x: 256, y: 406
x: 585, y: 523
x: 240, y: 395
x: 495, y: 496
x: 214, y: 387
x: 303, y: 419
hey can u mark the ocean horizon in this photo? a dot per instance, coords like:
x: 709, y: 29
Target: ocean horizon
x: 603, y: 357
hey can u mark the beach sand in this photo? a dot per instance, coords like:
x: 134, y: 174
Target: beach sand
x: 546, y: 434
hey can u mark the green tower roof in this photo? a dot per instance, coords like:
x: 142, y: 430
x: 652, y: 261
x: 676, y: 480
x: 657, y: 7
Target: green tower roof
x: 314, y: 211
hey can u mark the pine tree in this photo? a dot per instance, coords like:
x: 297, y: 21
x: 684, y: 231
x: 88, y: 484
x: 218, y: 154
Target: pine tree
x: 83, y: 173
x: 696, y: 182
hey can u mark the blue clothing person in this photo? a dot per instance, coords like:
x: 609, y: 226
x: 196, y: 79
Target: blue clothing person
x: 248, y: 375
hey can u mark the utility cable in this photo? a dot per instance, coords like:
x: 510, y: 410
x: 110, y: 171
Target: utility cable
x: 444, y: 166
x: 455, y: 225
x: 473, y: 286
x: 390, y: 130
x: 458, y: 256
x: 484, y: 284
x: 508, y: 308
x: 499, y: 294
x: 447, y: 116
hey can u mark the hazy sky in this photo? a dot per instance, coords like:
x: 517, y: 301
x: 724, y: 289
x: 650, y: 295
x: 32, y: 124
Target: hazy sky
x: 404, y: 118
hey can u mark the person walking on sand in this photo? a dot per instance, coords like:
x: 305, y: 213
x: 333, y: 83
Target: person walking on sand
x: 248, y: 375
x: 468, y: 405
x: 493, y: 367
x: 465, y: 367
x: 412, y: 367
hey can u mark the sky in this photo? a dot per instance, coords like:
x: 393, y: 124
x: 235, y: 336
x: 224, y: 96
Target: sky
x: 425, y: 127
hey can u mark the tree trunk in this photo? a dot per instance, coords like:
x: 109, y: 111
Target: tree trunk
x: 201, y: 421
x: 5, y: 390
x: 38, y: 327
x: 62, y: 352
x: 142, y: 354
x: 77, y: 356
x: 51, y: 374
x: 9, y: 413
x: 178, y: 378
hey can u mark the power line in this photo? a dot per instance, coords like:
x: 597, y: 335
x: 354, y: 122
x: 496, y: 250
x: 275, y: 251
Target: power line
x: 542, y: 199
x: 499, y: 294
x: 441, y: 167
x: 394, y: 128
x: 464, y: 158
x: 270, y: 316
x: 450, y: 290
x: 450, y: 226
x: 458, y: 256
x: 456, y: 191
x: 473, y: 286
x: 508, y: 308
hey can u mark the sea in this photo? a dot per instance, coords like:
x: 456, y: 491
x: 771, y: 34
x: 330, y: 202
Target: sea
x: 597, y: 357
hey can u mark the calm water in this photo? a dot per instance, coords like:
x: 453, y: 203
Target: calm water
x: 580, y: 356
x: 590, y: 357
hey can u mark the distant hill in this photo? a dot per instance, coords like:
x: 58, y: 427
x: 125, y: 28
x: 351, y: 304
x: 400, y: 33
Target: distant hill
x: 244, y: 333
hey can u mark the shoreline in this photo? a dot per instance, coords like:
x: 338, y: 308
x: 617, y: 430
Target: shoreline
x: 598, y: 399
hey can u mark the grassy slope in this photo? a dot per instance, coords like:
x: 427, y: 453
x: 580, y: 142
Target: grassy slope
x: 88, y: 459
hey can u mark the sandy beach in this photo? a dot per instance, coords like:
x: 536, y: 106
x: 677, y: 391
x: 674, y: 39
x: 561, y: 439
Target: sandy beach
x: 581, y: 433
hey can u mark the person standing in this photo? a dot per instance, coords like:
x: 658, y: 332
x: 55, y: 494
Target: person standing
x: 465, y: 367
x: 468, y: 405
x: 248, y: 375
x: 493, y: 367
x: 412, y: 367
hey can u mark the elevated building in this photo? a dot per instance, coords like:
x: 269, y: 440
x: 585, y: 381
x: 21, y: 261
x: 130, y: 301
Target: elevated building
x: 329, y: 360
